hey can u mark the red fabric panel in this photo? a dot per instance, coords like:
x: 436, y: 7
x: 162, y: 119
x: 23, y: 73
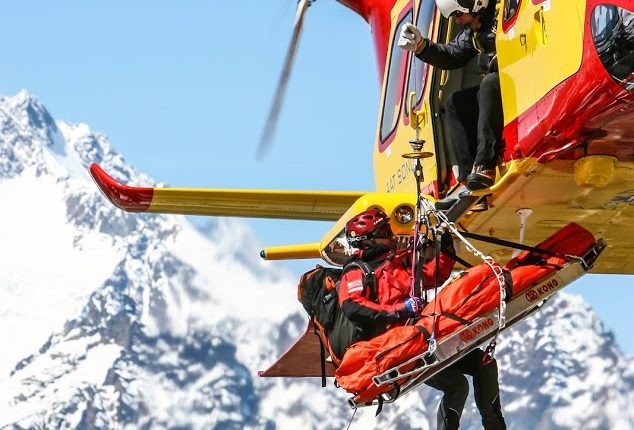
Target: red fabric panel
x: 363, y: 360
x: 527, y: 276
x: 479, y: 284
x: 394, y: 281
x: 429, y: 270
x: 572, y: 239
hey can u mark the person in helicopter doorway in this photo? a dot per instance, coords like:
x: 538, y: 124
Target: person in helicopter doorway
x: 384, y: 302
x: 474, y: 114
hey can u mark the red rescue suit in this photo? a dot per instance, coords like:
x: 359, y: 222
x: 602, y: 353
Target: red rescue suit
x: 374, y: 308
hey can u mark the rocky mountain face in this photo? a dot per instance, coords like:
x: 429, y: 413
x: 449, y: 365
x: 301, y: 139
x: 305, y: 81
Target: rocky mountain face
x: 116, y: 320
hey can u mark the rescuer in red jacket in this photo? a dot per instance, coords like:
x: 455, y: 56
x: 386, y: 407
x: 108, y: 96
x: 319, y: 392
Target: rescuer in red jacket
x: 374, y: 293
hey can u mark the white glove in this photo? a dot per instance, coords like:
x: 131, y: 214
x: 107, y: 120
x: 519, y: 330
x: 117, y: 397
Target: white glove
x: 411, y: 39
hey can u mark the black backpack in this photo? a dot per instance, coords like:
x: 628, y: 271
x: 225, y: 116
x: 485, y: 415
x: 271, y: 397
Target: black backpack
x: 317, y: 292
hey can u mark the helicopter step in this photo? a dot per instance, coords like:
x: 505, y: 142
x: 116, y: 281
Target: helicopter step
x: 466, y: 203
x: 460, y: 202
x: 409, y: 374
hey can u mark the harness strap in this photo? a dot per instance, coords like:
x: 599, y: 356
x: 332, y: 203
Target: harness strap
x: 455, y: 318
x: 475, y: 290
x: 465, y: 263
x: 437, y: 247
x: 369, y: 278
x: 508, y: 284
x: 509, y: 244
x: 424, y: 331
x: 397, y: 389
x: 322, y: 357
x: 380, y: 407
x: 489, y: 352
x: 476, y: 44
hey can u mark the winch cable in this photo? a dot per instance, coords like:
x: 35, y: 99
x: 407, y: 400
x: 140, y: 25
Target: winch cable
x: 420, y: 242
x: 418, y: 214
x: 437, y: 235
x: 415, y: 253
x: 422, y: 250
x: 351, y: 418
x: 422, y: 212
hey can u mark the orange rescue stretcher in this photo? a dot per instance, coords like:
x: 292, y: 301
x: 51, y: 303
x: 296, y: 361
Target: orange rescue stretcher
x: 465, y: 314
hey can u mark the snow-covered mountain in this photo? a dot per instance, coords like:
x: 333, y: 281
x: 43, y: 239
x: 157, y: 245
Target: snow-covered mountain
x: 116, y: 320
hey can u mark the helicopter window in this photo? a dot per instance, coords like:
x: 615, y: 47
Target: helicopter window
x: 510, y: 9
x: 418, y: 69
x: 394, y: 83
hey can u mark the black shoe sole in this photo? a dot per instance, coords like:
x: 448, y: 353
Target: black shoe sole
x: 479, y: 183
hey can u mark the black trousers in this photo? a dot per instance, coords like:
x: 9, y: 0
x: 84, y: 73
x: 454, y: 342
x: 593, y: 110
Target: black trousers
x: 476, y: 120
x: 452, y: 382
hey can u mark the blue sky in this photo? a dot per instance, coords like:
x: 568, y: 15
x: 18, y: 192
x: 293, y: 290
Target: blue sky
x: 182, y: 89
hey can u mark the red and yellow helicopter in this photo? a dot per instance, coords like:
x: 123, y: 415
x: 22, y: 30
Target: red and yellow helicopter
x: 567, y: 81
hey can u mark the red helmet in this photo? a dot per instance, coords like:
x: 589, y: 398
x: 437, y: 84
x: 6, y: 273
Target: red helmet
x: 369, y: 224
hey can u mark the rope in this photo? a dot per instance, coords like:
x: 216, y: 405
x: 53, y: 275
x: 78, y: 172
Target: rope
x: 351, y: 418
x: 437, y: 250
x: 418, y: 214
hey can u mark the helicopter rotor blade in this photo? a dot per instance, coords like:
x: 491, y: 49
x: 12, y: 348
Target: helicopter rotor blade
x: 271, y: 121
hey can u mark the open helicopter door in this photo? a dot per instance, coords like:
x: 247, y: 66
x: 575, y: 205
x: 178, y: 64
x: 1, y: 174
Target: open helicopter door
x: 412, y: 100
x: 444, y: 83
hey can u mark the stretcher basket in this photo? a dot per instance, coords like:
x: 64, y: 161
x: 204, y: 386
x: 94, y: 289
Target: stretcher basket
x: 452, y: 347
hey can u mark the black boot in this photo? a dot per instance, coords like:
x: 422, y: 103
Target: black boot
x: 447, y: 419
x: 480, y: 178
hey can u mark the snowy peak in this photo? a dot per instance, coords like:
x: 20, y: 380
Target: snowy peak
x: 30, y: 116
x: 28, y: 137
x: 31, y: 140
x: 120, y: 320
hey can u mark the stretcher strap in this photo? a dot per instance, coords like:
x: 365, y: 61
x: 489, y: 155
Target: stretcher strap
x: 322, y: 355
x: 464, y: 263
x: 456, y: 318
x: 511, y: 244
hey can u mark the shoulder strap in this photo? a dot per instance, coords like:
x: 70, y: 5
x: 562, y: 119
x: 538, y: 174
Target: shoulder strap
x: 369, y: 278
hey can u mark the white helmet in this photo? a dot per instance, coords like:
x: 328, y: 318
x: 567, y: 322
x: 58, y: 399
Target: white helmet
x: 448, y: 7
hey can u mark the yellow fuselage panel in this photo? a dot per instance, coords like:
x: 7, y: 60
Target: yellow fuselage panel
x: 552, y: 191
x: 540, y: 50
x: 392, y: 172
x: 388, y: 203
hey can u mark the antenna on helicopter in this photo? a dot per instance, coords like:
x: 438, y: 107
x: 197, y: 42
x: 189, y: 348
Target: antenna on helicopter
x: 271, y: 121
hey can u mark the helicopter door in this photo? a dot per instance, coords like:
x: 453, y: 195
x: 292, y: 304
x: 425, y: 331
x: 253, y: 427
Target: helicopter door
x: 558, y: 30
x: 515, y: 45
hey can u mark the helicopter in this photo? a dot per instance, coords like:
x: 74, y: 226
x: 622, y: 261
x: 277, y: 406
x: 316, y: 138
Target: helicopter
x: 567, y: 84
